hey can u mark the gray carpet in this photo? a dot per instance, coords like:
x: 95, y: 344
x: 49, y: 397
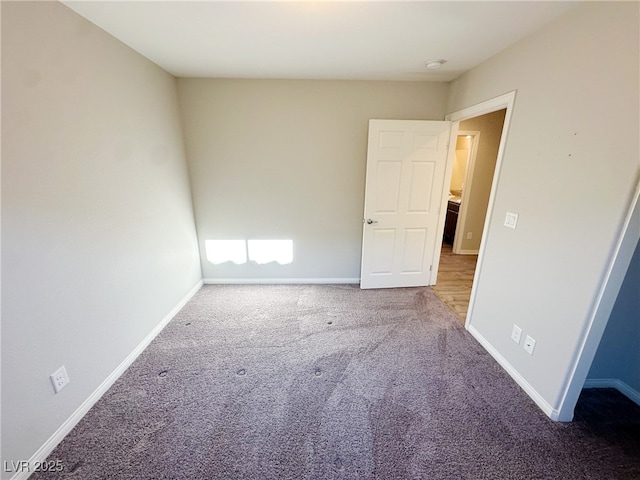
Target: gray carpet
x: 331, y: 382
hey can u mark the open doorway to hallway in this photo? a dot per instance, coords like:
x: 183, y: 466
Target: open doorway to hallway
x: 469, y: 192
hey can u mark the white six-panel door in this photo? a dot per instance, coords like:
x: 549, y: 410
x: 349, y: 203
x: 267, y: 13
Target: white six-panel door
x: 406, y: 164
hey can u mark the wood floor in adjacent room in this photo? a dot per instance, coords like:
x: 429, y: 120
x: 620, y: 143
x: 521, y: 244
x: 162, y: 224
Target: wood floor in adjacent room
x: 455, y: 278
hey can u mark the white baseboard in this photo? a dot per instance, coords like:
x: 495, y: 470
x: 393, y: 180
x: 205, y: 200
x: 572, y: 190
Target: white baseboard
x: 279, y: 281
x: 43, y: 452
x: 616, y: 383
x: 469, y: 252
x: 551, y: 412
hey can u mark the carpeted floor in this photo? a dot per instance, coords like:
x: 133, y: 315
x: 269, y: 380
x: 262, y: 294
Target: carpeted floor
x: 333, y: 382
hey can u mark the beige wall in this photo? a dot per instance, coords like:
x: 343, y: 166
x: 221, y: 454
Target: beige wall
x: 490, y: 128
x: 570, y: 165
x: 98, y: 238
x: 286, y: 160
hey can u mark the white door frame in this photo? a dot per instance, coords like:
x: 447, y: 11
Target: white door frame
x: 507, y: 102
x: 468, y: 180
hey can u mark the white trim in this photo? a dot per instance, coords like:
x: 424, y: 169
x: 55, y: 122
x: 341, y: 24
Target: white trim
x: 616, y: 383
x: 43, y: 452
x: 604, y: 300
x: 281, y: 281
x: 468, y: 252
x: 489, y: 106
x: 519, y: 379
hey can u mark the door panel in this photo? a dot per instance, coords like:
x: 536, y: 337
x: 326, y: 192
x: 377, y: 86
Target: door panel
x: 384, y: 240
x: 406, y: 163
x: 389, y: 186
x: 413, y: 253
x: 422, y: 175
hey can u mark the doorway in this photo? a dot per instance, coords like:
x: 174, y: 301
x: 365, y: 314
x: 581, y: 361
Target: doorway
x: 458, y: 272
x: 472, y: 174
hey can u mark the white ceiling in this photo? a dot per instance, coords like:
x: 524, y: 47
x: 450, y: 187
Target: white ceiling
x: 367, y: 40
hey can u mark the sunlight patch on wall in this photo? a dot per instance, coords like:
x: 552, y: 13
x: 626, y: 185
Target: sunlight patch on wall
x: 258, y: 251
x: 221, y: 251
x: 266, y: 251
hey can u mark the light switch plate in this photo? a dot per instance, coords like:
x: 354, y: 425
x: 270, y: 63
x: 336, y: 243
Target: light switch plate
x: 510, y: 220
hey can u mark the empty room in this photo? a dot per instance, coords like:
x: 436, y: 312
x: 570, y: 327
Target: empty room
x: 228, y: 249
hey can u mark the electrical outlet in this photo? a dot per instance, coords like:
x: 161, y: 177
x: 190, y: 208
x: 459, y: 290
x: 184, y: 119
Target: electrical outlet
x: 529, y: 345
x: 469, y: 235
x: 59, y: 379
x: 516, y: 333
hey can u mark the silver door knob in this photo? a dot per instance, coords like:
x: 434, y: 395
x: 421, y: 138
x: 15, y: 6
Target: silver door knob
x: 369, y: 221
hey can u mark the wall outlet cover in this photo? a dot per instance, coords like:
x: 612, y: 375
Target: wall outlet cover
x: 59, y: 379
x: 529, y: 345
x: 516, y: 333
